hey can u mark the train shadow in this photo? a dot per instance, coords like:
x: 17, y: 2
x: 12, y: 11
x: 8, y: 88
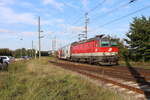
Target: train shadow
x: 139, y: 79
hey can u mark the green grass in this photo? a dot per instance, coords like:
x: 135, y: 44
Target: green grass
x: 40, y: 80
x: 145, y: 65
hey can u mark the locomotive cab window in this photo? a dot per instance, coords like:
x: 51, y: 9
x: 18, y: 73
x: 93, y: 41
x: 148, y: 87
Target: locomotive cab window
x: 105, y: 43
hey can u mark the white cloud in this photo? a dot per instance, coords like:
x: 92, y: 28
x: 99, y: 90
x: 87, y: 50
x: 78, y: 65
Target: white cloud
x: 5, y: 31
x: 29, y: 33
x: 7, y: 2
x: 27, y: 5
x: 110, y: 1
x: 67, y: 29
x: 52, y: 21
x: 54, y: 3
x: 104, y: 9
x: 71, y: 5
x: 24, y: 33
x: 9, y: 16
x: 76, y: 28
x: 119, y: 32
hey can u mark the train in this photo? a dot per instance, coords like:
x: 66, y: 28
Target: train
x: 101, y: 49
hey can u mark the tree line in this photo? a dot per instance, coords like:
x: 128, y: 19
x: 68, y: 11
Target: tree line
x: 21, y: 52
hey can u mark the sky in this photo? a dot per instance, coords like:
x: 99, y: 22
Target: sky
x: 63, y: 20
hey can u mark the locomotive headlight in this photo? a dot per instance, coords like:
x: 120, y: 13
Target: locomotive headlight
x: 96, y: 50
x: 110, y: 49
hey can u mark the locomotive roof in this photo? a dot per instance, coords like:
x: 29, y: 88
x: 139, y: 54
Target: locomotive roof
x: 97, y: 37
x: 65, y: 46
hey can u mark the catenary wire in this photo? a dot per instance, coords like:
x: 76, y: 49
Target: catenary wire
x: 91, y: 10
x: 122, y: 17
x: 114, y: 10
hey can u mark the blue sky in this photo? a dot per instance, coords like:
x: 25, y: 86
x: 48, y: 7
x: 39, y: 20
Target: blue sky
x: 18, y: 19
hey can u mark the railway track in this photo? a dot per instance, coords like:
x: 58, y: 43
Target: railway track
x: 113, y: 71
x: 134, y: 80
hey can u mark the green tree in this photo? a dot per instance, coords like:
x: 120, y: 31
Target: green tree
x: 138, y: 39
x: 5, y: 52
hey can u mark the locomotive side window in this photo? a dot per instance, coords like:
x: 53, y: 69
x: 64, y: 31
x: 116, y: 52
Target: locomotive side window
x: 113, y: 43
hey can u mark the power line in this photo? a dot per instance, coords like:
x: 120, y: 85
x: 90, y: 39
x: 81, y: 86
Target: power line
x: 91, y: 10
x: 99, y: 4
x: 132, y: 1
x: 69, y: 5
x: 111, y: 11
x: 76, y: 21
x: 115, y: 9
x: 87, y: 20
x: 125, y: 16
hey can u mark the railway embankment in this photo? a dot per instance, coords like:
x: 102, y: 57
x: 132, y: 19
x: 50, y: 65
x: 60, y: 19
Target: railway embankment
x: 41, y: 80
x: 127, y: 80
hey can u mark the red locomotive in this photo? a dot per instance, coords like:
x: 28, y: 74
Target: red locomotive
x: 99, y: 49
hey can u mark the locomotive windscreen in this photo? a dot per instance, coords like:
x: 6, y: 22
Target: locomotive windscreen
x: 107, y: 42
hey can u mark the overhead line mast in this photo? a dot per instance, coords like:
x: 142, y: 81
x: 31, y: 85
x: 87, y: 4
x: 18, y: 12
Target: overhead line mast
x: 85, y: 32
x: 86, y: 27
x: 39, y: 31
x: 39, y: 37
x: 91, y: 10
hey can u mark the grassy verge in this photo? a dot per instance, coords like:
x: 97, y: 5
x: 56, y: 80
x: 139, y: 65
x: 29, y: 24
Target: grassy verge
x: 145, y: 65
x: 40, y: 80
